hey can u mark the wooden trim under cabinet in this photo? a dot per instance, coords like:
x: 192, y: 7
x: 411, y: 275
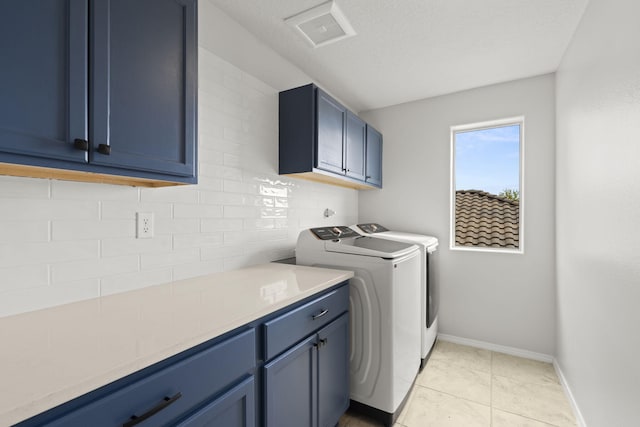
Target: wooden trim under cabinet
x: 71, y: 175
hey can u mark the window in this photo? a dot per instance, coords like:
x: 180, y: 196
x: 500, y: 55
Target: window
x: 487, y: 186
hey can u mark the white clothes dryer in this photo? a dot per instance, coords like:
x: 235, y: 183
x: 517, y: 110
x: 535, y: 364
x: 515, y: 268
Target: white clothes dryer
x: 430, y: 296
x: 384, y: 309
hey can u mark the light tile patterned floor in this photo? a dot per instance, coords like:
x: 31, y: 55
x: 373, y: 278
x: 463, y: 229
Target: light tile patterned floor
x: 464, y: 386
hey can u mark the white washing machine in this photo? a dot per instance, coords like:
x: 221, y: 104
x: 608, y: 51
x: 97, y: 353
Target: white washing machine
x: 430, y: 299
x: 384, y: 309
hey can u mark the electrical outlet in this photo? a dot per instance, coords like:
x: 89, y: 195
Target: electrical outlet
x: 144, y: 225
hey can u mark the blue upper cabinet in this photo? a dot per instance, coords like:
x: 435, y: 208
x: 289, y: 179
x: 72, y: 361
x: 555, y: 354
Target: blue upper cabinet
x: 355, y: 147
x: 143, y: 75
x: 373, y: 167
x: 331, y: 125
x: 43, y: 79
x: 126, y: 112
x: 322, y: 141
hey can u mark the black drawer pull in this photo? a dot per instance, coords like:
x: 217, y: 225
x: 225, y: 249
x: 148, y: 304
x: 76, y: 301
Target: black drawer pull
x: 104, y: 149
x: 323, y: 342
x: 135, y: 419
x: 319, y: 315
x: 81, y: 144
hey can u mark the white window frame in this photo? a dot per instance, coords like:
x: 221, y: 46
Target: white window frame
x: 518, y: 120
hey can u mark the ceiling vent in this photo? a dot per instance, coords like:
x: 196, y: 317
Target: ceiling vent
x: 322, y: 24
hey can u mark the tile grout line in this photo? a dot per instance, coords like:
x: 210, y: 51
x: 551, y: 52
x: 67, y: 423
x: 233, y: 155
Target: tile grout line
x: 491, y: 388
x: 454, y: 396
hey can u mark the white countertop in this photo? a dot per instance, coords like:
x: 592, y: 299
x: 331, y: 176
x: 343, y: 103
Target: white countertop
x: 51, y: 356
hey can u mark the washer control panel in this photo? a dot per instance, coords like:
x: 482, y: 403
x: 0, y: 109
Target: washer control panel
x: 332, y: 233
x: 372, y: 227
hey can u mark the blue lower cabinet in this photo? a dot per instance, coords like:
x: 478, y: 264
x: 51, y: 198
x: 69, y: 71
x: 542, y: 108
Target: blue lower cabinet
x: 333, y: 371
x: 290, y: 387
x: 236, y: 408
x: 308, y: 385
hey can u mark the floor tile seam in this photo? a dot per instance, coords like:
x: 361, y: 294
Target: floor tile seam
x: 454, y: 365
x: 491, y: 389
x: 511, y: 411
x: 525, y: 416
x: 453, y: 395
x: 460, y: 365
x: 554, y: 384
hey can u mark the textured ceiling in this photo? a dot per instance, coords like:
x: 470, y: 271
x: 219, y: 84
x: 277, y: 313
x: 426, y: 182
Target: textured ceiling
x: 412, y: 49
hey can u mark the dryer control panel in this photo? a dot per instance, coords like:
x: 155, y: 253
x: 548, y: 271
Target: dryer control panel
x: 372, y: 227
x: 332, y: 233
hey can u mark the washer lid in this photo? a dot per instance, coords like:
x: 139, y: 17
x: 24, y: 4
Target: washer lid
x: 368, y: 246
x: 380, y: 232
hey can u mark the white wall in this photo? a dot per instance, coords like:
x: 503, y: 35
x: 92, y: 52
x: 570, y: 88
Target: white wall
x: 598, y: 213
x: 65, y: 241
x: 504, y: 299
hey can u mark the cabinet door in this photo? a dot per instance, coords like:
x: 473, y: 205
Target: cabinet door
x: 236, y: 408
x: 291, y: 387
x: 355, y: 147
x: 333, y: 371
x: 143, y: 73
x: 374, y: 157
x: 43, y: 79
x: 331, y: 127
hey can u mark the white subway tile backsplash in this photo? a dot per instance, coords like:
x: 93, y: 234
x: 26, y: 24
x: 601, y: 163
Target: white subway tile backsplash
x: 127, y: 210
x: 222, y: 172
x: 166, y: 259
x: 177, y: 194
x: 24, y: 231
x: 223, y: 224
x: 241, y: 212
x: 197, y: 240
x: 45, y: 209
x: 94, y: 229
x: 65, y: 241
x: 225, y: 251
x: 95, y: 268
x: 197, y: 211
x: 35, y: 188
x: 240, y: 237
x: 210, y: 183
x: 130, y: 245
x: 16, y: 254
x: 23, y: 277
x: 212, y: 157
x: 176, y: 226
x: 222, y: 198
x: 71, y: 190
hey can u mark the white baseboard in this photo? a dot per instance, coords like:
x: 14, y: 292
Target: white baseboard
x: 497, y: 348
x: 528, y: 355
x: 567, y: 391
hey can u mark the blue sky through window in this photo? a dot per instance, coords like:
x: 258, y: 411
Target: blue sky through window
x: 488, y: 159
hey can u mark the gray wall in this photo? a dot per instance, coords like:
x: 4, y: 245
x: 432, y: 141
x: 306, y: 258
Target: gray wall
x: 504, y: 299
x: 598, y: 213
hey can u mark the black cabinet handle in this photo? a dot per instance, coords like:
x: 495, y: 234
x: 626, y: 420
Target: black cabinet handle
x: 81, y: 144
x: 104, y: 149
x: 323, y: 342
x: 135, y: 419
x: 367, y: 177
x: 319, y: 315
